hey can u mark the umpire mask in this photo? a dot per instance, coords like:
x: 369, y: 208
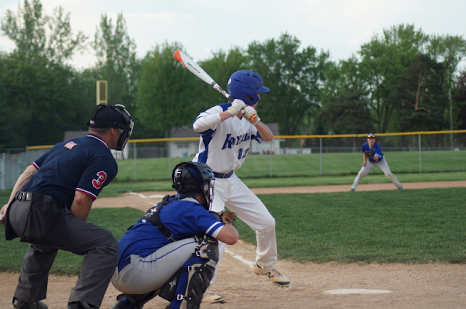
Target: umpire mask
x: 113, y: 116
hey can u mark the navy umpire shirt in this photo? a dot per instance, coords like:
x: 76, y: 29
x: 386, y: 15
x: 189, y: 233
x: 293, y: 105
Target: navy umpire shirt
x: 83, y: 164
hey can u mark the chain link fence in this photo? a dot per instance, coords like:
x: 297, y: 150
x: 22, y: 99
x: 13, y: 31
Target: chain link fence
x: 306, y: 155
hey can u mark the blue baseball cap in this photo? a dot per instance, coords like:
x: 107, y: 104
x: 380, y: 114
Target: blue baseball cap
x: 371, y: 135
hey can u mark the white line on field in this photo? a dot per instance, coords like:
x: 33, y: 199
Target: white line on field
x: 151, y: 196
x: 357, y: 291
x: 239, y: 258
x: 138, y: 194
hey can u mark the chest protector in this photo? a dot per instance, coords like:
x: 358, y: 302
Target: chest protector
x: 153, y: 216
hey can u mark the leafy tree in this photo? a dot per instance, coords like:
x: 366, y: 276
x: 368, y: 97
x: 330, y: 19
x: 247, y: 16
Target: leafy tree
x: 340, y: 78
x: 383, y: 61
x: 423, y: 100
x: 28, y: 29
x: 116, y: 61
x: 347, y: 113
x: 38, y: 101
x: 165, y: 97
x: 39, y: 92
x: 461, y: 97
x: 294, y: 76
x: 450, y: 50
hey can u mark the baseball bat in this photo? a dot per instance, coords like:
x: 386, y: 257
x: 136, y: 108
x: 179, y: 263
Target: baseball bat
x: 194, y: 68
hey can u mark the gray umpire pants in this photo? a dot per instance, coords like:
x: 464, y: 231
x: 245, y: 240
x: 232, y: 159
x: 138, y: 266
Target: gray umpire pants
x: 83, y: 238
x: 382, y: 164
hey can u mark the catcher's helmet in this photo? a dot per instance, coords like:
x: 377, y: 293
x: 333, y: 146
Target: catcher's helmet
x: 246, y: 83
x: 113, y: 116
x: 191, y: 178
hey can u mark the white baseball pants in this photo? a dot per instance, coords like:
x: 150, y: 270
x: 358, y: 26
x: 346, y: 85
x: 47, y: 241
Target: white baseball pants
x: 370, y: 166
x: 146, y: 274
x: 234, y: 194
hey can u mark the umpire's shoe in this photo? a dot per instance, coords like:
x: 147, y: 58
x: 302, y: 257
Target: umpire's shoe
x: 19, y: 304
x: 80, y: 305
x: 123, y: 303
x: 274, y: 275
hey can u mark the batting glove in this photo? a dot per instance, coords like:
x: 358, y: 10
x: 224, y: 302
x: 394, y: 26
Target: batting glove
x: 251, y: 115
x: 236, y: 107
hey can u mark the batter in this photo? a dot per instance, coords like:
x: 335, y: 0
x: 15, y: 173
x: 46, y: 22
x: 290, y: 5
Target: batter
x: 227, y: 131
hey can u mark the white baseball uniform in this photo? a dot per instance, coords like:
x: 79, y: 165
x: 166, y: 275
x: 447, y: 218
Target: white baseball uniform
x: 224, y: 147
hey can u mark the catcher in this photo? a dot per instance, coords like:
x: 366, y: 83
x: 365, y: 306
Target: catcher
x: 172, y: 250
x: 372, y: 151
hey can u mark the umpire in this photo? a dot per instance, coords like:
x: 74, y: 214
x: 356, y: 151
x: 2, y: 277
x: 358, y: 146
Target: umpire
x: 49, y: 205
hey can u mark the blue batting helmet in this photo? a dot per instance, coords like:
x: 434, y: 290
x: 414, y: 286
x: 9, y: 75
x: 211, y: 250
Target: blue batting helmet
x: 246, y: 83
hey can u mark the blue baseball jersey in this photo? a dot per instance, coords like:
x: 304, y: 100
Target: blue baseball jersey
x: 377, y: 153
x: 83, y: 164
x: 225, y: 146
x: 184, y: 218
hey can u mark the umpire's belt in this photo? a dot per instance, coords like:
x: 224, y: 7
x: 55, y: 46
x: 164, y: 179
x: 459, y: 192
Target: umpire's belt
x: 223, y: 175
x: 23, y: 196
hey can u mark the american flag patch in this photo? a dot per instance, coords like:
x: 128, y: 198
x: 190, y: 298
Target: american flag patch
x: 70, y: 145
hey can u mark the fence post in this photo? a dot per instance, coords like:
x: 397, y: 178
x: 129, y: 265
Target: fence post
x: 270, y: 154
x: 451, y: 120
x: 321, y: 156
x: 134, y: 156
x: 2, y: 171
x: 169, y: 159
x: 420, y: 162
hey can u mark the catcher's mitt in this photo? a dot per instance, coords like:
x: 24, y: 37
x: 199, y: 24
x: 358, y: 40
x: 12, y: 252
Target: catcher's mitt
x: 226, y: 217
x: 370, y: 153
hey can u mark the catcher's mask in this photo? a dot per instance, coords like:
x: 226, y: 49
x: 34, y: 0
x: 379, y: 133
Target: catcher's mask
x: 113, y: 116
x: 191, y: 178
x: 245, y: 85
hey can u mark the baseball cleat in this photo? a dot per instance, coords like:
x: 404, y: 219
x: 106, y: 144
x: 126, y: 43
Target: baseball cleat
x: 19, y: 304
x: 80, y: 305
x: 274, y: 275
x: 352, y: 190
x: 212, y: 298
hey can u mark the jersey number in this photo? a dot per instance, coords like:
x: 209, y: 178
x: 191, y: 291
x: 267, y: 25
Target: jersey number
x: 98, y: 183
x: 240, y: 153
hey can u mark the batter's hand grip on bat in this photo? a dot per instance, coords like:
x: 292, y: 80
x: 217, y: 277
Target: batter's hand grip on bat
x: 253, y: 118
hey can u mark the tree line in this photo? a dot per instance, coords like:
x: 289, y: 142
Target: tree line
x: 402, y: 80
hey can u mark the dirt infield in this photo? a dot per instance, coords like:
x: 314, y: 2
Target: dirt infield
x: 377, y: 285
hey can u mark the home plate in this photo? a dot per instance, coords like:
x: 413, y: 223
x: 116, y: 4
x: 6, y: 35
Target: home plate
x: 156, y: 196
x: 357, y: 291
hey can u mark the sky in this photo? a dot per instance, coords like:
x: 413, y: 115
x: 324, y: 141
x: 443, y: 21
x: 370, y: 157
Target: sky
x: 207, y: 26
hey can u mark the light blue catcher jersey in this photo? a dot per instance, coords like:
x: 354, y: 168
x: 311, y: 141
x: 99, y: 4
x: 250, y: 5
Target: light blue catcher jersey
x: 225, y: 146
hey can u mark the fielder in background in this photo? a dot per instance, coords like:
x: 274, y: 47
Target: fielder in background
x: 49, y: 205
x: 226, y: 133
x: 172, y: 250
x: 372, y: 151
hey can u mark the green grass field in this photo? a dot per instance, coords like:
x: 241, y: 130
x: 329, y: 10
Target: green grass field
x: 407, y: 226
x: 116, y: 187
x: 336, y: 164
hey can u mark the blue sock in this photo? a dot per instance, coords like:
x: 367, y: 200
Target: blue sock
x: 127, y: 302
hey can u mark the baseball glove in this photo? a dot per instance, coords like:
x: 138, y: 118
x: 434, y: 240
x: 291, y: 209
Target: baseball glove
x: 226, y: 217
x: 370, y: 153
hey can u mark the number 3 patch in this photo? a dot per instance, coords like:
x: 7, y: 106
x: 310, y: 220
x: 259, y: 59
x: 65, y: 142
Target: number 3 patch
x: 99, y: 182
